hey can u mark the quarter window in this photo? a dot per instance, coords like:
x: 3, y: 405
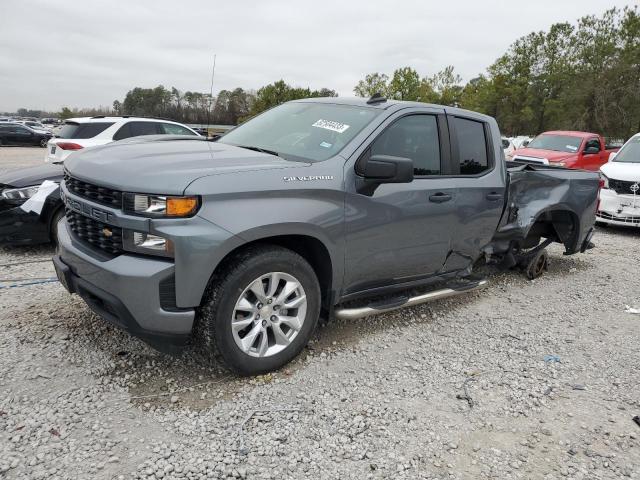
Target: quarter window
x: 173, y: 129
x: 415, y: 137
x: 472, y: 146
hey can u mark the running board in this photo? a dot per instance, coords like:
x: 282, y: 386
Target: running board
x: 372, y: 309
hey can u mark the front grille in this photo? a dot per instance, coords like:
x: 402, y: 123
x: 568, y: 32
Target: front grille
x: 100, y: 235
x: 623, y: 186
x: 102, y: 195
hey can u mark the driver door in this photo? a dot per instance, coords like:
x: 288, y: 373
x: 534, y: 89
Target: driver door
x: 401, y: 232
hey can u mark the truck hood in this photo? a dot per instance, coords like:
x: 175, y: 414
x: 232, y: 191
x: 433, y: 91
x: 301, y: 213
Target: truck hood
x: 626, y: 171
x: 32, y: 176
x: 165, y: 166
x: 550, y: 155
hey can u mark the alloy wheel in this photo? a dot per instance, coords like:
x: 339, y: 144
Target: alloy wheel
x: 269, y: 314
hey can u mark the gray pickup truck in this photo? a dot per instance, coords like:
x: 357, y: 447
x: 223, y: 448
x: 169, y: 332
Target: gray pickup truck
x: 341, y: 207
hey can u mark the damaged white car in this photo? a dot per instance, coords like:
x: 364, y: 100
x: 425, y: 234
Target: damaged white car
x: 620, y: 194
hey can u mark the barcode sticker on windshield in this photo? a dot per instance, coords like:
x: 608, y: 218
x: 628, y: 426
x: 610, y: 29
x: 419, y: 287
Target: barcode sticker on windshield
x: 331, y: 125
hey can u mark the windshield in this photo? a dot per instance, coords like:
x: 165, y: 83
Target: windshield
x: 630, y: 153
x: 557, y: 143
x: 302, y: 131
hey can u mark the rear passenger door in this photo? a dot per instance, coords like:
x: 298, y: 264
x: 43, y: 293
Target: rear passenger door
x: 479, y: 176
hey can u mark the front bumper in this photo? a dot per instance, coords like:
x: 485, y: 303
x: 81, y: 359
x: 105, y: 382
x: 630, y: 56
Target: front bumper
x: 615, y: 209
x: 125, y: 291
x: 18, y: 227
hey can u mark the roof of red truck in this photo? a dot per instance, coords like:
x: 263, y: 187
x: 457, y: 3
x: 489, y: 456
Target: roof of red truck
x: 571, y: 133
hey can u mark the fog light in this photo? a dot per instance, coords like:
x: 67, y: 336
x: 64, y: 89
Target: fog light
x: 146, y: 243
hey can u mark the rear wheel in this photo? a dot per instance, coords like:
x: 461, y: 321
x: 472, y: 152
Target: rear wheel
x: 261, y: 310
x: 537, y: 265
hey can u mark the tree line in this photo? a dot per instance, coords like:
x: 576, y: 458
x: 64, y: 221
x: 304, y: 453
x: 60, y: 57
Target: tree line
x: 229, y: 107
x: 579, y: 77
x: 583, y: 76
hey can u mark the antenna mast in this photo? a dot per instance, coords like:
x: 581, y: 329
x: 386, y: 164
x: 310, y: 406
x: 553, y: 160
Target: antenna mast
x: 213, y: 73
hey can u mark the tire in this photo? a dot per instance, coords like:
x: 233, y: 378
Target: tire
x: 537, y: 265
x: 229, y: 299
x: 53, y: 226
x: 43, y: 142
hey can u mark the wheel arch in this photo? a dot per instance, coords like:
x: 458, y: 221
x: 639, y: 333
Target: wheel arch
x: 313, y: 249
x: 560, y: 221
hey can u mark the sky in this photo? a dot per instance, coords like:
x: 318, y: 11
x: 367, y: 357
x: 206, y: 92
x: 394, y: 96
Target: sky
x: 88, y: 53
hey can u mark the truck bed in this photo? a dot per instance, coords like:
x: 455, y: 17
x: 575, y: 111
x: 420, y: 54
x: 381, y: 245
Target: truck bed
x: 547, y: 202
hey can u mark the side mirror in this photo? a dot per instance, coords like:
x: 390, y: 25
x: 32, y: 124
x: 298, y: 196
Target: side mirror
x: 379, y: 169
x: 591, y: 150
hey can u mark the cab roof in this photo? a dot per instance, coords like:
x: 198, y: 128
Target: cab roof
x: 390, y: 104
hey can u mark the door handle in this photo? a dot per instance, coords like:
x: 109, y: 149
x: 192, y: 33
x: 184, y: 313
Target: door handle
x: 440, y: 197
x: 494, y: 196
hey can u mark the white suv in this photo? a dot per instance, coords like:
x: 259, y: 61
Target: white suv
x: 78, y: 133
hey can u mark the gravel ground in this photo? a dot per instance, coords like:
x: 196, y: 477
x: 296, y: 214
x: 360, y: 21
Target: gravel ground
x: 12, y: 158
x: 530, y: 380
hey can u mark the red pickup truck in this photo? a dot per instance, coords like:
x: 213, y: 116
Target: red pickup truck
x: 582, y: 150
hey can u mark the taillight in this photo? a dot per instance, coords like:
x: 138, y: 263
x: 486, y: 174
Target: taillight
x: 69, y: 146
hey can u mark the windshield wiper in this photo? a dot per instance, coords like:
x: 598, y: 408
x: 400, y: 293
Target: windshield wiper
x: 258, y: 149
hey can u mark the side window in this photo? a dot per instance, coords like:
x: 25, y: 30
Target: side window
x: 593, y: 142
x: 472, y: 146
x: 21, y: 130
x: 123, y: 132
x: 414, y: 137
x: 145, y: 128
x: 173, y: 129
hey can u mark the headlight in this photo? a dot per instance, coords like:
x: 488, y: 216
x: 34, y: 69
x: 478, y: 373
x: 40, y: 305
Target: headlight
x: 146, y: 243
x: 559, y: 164
x: 604, y: 181
x: 23, y: 193
x: 160, y: 205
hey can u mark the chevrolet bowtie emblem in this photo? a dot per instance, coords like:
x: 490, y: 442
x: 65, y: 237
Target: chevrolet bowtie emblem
x: 107, y: 232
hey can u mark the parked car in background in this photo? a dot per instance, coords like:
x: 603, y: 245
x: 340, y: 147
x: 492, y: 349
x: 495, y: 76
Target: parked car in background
x: 17, y: 134
x: 521, y: 141
x: 508, y: 147
x: 568, y: 149
x: 79, y: 133
x: 26, y: 226
x: 37, y: 126
x: 620, y: 194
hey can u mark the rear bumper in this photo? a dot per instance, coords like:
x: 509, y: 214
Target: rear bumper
x: 18, y: 227
x: 125, y: 291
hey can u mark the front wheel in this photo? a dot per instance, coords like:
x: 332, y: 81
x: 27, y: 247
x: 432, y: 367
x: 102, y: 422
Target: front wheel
x: 53, y: 228
x: 261, y: 310
x: 43, y: 142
